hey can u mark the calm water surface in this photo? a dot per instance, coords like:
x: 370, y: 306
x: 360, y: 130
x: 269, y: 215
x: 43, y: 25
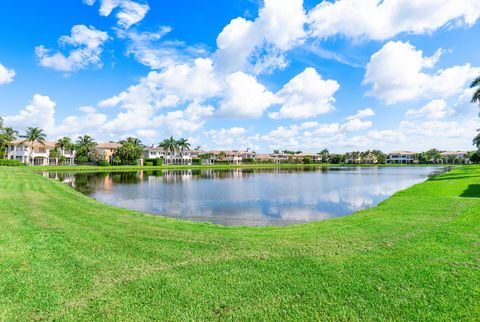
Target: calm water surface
x: 247, y: 196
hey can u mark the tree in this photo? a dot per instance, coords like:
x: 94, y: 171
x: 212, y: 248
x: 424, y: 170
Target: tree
x: 476, y: 95
x: 7, y: 135
x: 32, y: 135
x: 129, y: 152
x: 325, y: 155
x: 169, y: 144
x: 85, y: 147
x: 183, y: 144
x: 63, y: 144
x: 475, y: 157
x: 433, y: 155
x: 476, y: 140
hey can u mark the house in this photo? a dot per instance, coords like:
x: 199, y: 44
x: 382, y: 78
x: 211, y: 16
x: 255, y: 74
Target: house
x: 176, y: 157
x: 205, y: 158
x: 455, y: 157
x: 108, y: 150
x: 232, y: 157
x: 402, y: 157
x: 38, y: 155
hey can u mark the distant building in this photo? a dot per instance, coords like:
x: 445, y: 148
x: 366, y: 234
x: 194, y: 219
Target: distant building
x: 176, y: 157
x: 455, y: 157
x: 402, y: 157
x: 108, y: 149
x: 39, y: 155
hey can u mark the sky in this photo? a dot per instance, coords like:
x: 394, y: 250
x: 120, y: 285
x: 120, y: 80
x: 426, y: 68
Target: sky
x: 344, y: 75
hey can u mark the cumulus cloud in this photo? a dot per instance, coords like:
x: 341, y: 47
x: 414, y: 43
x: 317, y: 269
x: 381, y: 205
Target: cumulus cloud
x: 379, y: 20
x: 397, y: 74
x: 434, y: 110
x: 245, y: 97
x: 87, y: 46
x: 40, y: 112
x: 361, y: 114
x: 128, y: 12
x: 243, y: 43
x: 306, y: 95
x: 185, y: 121
x: 6, y: 75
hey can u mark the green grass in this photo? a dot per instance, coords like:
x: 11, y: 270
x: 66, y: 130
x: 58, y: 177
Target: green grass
x: 64, y: 256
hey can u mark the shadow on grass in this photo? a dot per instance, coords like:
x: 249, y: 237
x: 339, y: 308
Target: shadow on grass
x: 473, y: 191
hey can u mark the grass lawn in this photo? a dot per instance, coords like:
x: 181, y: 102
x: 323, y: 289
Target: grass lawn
x: 64, y: 256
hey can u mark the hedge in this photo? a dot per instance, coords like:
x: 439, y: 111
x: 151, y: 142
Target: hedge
x: 10, y: 163
x: 153, y: 162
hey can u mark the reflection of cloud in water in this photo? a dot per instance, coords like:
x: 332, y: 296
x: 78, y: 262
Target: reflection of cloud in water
x: 255, y: 198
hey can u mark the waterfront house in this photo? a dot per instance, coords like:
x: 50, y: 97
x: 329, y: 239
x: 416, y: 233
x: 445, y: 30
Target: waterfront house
x: 176, y: 157
x: 108, y: 150
x: 39, y: 155
x: 402, y: 157
x: 455, y: 157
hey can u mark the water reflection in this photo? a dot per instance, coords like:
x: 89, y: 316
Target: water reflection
x: 253, y: 197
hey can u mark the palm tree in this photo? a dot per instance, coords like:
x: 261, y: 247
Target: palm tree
x: 86, y: 141
x: 32, y: 135
x: 133, y: 141
x: 476, y: 140
x: 7, y: 135
x: 183, y: 144
x: 63, y: 144
x: 169, y: 144
x: 476, y: 95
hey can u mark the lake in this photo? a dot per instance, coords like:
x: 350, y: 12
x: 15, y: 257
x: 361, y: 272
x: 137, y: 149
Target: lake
x: 251, y: 197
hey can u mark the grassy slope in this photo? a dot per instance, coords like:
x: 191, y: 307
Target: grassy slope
x: 65, y: 256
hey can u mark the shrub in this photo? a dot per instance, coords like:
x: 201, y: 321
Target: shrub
x: 248, y: 160
x: 222, y: 162
x: 103, y: 163
x: 307, y: 160
x: 149, y: 164
x: 10, y: 163
x: 154, y: 162
x: 196, y: 161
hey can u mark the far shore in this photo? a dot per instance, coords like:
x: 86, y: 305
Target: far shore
x: 93, y: 168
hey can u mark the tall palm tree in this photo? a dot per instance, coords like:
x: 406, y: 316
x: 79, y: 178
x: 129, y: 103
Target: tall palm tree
x: 133, y: 141
x: 7, y: 135
x: 183, y: 144
x: 86, y: 141
x: 476, y: 95
x: 32, y: 135
x: 63, y: 144
x: 169, y: 144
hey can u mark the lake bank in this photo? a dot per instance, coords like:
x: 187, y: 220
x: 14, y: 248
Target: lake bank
x: 66, y: 256
x: 80, y: 168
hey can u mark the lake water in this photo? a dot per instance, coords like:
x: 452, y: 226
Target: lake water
x: 253, y: 197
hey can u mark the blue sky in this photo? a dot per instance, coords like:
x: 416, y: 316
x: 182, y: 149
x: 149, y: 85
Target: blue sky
x: 289, y: 74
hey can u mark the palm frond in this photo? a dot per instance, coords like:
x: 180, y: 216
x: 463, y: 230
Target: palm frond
x: 476, y: 96
x: 476, y: 82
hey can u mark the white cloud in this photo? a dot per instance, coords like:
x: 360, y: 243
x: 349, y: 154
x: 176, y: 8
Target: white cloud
x: 396, y: 73
x: 245, y: 97
x: 258, y: 45
x: 87, y: 44
x: 222, y: 138
x: 41, y: 113
x: 185, y: 121
x: 6, y: 75
x: 361, y: 114
x: 306, y: 95
x: 128, y: 12
x: 356, y: 124
x: 434, y: 110
x: 379, y: 20
x: 149, y: 48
